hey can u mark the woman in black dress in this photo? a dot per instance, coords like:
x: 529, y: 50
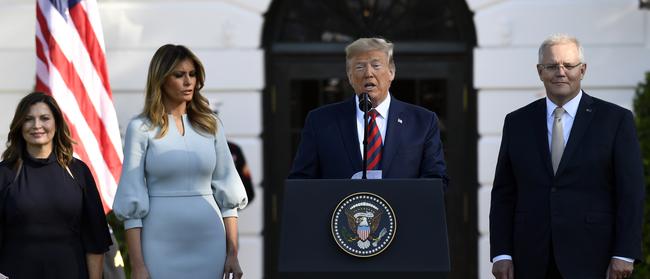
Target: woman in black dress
x: 52, y: 223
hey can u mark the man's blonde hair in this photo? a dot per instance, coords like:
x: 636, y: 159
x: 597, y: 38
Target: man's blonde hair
x: 362, y: 45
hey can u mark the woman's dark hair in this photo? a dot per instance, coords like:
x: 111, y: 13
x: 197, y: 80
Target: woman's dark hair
x: 61, y: 144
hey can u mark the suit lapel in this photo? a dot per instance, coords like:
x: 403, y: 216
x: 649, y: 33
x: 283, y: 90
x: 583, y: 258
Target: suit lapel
x: 392, y: 140
x: 347, y: 121
x: 583, y: 118
x: 541, y: 133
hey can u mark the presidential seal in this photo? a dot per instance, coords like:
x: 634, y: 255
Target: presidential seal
x: 363, y: 224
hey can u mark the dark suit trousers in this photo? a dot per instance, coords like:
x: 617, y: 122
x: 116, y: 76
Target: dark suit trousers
x: 552, y: 272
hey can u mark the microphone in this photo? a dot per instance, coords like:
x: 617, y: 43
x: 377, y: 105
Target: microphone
x: 365, y: 104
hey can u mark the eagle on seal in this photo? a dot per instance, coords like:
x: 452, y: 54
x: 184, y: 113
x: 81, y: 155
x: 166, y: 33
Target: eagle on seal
x: 364, y: 222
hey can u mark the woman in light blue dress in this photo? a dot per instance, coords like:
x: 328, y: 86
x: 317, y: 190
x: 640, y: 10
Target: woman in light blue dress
x: 179, y: 191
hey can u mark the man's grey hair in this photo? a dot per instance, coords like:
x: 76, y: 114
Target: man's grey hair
x: 557, y: 39
x: 369, y: 44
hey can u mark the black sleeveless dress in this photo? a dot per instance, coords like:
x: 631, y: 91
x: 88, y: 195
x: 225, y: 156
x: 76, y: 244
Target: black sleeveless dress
x: 49, y: 220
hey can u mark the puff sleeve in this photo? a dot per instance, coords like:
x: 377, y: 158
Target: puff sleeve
x: 132, y: 198
x: 227, y: 188
x: 94, y: 229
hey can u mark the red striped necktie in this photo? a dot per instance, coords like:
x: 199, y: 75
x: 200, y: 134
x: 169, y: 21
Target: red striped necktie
x: 374, y: 143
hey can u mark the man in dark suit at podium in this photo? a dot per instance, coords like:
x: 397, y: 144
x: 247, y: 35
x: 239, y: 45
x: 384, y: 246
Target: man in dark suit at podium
x: 567, y: 199
x: 403, y: 139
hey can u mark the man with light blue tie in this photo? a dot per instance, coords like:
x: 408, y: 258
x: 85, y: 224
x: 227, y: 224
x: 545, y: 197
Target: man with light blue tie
x: 568, y: 193
x: 404, y: 139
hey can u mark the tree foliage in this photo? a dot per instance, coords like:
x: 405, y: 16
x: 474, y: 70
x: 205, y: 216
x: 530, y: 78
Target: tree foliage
x: 118, y: 232
x: 642, y: 113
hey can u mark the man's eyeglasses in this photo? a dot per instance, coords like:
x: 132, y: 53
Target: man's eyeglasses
x: 556, y: 67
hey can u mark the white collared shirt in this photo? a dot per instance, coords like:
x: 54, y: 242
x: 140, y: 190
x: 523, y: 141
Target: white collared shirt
x: 382, y: 120
x: 570, y: 110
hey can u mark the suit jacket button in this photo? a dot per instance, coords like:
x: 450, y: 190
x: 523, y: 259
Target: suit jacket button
x: 553, y: 190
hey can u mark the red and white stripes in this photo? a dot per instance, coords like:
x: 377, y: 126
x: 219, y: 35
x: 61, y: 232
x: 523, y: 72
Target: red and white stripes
x: 71, y: 66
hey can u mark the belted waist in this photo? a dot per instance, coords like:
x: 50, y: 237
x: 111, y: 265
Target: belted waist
x: 182, y: 193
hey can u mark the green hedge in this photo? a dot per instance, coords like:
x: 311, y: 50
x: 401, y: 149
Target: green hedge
x: 118, y: 232
x: 642, y: 113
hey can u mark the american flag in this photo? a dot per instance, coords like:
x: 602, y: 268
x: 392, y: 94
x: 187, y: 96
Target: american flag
x: 71, y: 66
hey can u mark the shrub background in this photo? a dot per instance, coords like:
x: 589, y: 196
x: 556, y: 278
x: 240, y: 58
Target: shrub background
x: 642, y: 113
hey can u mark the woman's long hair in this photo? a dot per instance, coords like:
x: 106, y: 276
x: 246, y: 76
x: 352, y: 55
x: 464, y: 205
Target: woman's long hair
x: 61, y: 143
x: 198, y: 109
